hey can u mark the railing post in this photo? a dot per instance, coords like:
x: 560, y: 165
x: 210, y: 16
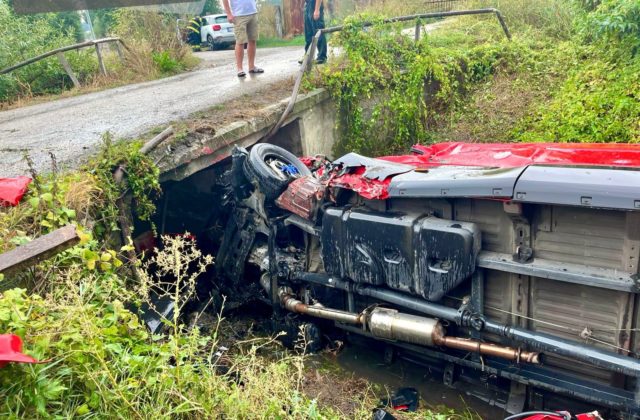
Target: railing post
x: 103, y: 69
x: 119, y: 50
x: 418, y: 27
x: 68, y: 69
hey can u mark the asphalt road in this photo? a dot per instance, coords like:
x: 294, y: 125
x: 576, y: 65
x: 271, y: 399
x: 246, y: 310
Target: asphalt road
x: 72, y: 127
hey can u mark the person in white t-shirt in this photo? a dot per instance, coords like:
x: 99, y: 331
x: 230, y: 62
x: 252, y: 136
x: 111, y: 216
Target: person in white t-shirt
x: 244, y: 16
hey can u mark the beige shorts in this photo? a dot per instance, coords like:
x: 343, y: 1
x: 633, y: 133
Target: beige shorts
x: 246, y: 28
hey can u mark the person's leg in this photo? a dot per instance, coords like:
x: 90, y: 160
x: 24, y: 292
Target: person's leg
x: 240, y: 29
x: 239, y: 56
x: 252, y: 36
x: 308, y: 25
x: 251, y: 53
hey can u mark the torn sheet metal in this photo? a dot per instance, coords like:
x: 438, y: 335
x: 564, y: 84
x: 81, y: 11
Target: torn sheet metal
x: 374, y: 168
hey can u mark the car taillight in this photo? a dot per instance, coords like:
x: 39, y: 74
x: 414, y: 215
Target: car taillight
x: 216, y: 27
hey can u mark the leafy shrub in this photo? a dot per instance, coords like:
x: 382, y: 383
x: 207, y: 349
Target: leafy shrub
x: 102, y: 362
x: 614, y: 20
x: 165, y: 63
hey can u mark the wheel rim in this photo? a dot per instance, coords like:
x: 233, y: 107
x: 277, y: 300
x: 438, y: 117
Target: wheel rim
x: 282, y: 168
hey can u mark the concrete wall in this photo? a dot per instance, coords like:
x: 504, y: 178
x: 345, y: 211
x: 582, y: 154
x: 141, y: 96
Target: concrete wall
x: 309, y: 130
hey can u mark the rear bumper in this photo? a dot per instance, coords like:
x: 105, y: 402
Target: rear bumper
x: 225, y: 39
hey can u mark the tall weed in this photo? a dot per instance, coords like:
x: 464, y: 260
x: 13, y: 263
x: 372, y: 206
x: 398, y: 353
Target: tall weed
x: 153, y: 46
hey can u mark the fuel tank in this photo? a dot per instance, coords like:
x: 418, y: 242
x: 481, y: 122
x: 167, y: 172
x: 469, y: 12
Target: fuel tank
x: 418, y: 254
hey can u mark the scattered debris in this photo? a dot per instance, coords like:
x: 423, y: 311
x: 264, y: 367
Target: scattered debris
x: 13, y: 189
x: 11, y: 351
x: 404, y: 399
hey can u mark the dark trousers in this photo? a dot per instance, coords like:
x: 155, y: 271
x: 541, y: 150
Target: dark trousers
x: 312, y: 26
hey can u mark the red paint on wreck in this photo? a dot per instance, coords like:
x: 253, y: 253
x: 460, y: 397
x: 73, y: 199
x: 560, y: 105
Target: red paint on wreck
x: 496, y: 155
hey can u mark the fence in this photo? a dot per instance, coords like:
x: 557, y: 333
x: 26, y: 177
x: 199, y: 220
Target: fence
x: 63, y: 61
x: 443, y: 5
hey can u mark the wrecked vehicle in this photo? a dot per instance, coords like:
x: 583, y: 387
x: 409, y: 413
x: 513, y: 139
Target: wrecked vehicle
x: 510, y: 267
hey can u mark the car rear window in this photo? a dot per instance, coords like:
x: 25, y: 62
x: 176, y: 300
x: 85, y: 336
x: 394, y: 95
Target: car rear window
x: 221, y: 19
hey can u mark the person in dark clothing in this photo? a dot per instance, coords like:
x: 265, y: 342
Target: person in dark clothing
x: 193, y: 29
x: 313, y: 21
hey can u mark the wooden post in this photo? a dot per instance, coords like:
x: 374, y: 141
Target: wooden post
x: 39, y: 249
x: 103, y: 69
x: 119, y: 51
x: 68, y: 69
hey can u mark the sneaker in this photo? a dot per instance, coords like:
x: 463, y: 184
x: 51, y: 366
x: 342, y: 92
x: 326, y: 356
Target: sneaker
x: 320, y: 61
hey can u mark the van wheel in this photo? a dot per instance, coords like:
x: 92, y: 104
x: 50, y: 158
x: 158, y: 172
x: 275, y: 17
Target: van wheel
x: 272, y: 168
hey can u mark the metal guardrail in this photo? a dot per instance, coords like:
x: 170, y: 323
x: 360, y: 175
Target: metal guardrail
x: 63, y: 61
x: 311, y: 52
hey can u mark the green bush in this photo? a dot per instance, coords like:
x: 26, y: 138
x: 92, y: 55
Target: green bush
x: 393, y: 92
x: 600, y: 99
x: 165, y: 63
x: 599, y: 102
x: 614, y: 20
x: 24, y: 37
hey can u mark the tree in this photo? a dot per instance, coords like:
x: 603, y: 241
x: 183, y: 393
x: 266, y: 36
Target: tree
x: 212, y: 7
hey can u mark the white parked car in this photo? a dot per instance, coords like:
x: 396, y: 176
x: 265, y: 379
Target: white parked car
x: 217, y: 32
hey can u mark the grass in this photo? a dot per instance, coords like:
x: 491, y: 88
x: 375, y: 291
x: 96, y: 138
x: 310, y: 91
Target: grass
x: 77, y: 312
x: 296, y: 41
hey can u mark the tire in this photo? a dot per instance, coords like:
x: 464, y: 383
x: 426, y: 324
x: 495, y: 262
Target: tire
x: 212, y: 45
x: 262, y: 175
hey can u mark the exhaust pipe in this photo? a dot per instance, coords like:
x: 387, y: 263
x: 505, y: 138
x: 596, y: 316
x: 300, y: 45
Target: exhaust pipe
x: 294, y: 305
x: 389, y: 324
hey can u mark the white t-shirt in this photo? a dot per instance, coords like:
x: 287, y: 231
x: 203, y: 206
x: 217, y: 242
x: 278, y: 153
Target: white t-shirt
x: 243, y: 7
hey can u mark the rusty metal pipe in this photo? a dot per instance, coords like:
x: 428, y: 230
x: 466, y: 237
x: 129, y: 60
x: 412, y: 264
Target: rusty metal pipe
x: 389, y: 324
x: 489, y: 349
x: 294, y: 305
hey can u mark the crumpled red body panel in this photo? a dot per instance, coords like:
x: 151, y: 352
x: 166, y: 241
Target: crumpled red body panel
x: 513, y: 155
x: 499, y: 155
x: 367, y: 188
x: 13, y: 189
x: 11, y: 350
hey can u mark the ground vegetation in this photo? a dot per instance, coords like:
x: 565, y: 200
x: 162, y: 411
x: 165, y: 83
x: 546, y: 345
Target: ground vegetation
x: 152, y: 50
x: 569, y: 74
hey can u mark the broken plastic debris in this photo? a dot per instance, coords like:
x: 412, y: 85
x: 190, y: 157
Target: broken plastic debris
x: 11, y: 350
x: 13, y: 189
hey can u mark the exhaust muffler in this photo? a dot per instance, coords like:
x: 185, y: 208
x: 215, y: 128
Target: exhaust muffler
x: 389, y: 324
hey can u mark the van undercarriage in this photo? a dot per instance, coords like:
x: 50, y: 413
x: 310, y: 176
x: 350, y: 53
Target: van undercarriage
x: 518, y: 269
